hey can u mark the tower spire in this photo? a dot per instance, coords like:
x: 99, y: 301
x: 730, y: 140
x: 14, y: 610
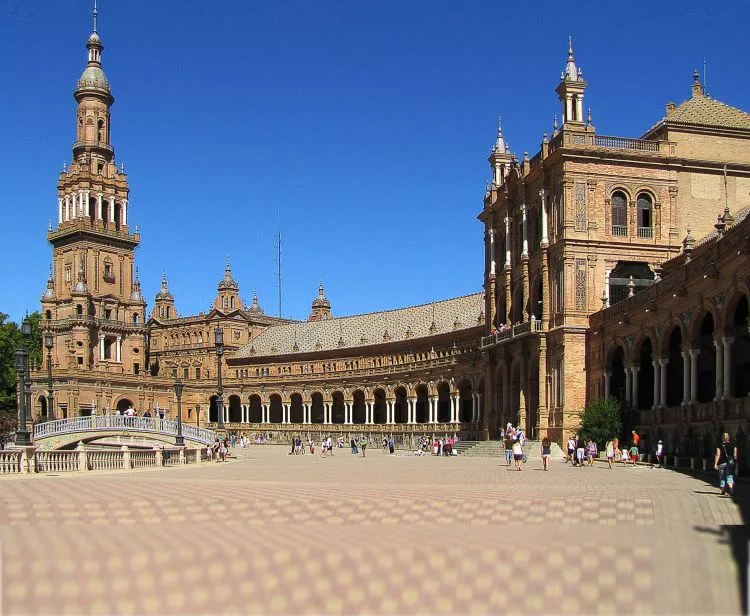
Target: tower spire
x: 96, y: 15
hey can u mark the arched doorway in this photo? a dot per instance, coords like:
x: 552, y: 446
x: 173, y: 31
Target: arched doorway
x: 43, y: 411
x: 617, y: 375
x: 740, y: 372
x: 380, y: 408
x: 466, y: 401
x: 275, y: 412
x: 444, y: 402
x: 422, y: 403
x: 123, y: 405
x: 317, y: 408
x: 675, y: 364
x: 706, y: 359
x: 401, y: 407
x: 337, y: 408
x: 646, y: 375
x: 358, y: 407
x: 255, y: 411
x: 213, y: 413
x: 235, y: 409
x: 296, y: 414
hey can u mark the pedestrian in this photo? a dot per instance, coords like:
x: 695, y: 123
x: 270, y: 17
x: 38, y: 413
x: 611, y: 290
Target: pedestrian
x: 726, y: 464
x: 353, y: 443
x: 363, y: 446
x: 508, y: 442
x: 391, y: 446
x: 634, y: 453
x: 323, y: 448
x: 546, y: 448
x: 610, y: 452
x: 580, y: 452
x: 329, y: 445
x: 660, y: 453
x: 571, y: 449
x: 636, y: 443
x: 592, y: 451
x: 517, y: 454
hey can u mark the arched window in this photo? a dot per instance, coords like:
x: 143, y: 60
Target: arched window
x: 168, y: 312
x: 645, y: 215
x: 135, y: 318
x: 100, y: 131
x: 619, y: 214
x: 231, y: 301
x: 79, y: 310
x: 48, y: 315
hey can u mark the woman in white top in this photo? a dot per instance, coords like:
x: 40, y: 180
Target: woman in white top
x: 517, y: 454
x: 610, y: 452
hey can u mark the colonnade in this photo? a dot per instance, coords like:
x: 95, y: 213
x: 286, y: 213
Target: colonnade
x: 390, y: 407
x: 76, y: 205
x: 118, y: 348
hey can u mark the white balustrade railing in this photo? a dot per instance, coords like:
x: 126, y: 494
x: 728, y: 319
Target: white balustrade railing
x: 121, y: 422
x: 142, y: 459
x: 10, y: 462
x: 57, y: 461
x: 105, y: 460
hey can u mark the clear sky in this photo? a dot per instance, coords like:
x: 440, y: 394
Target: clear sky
x: 365, y: 125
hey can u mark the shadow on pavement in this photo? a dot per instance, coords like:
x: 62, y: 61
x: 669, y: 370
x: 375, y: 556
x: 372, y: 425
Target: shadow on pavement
x: 737, y: 535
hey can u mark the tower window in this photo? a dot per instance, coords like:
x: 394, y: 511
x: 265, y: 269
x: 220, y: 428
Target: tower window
x: 619, y: 214
x: 79, y: 310
x: 100, y: 131
x: 645, y: 215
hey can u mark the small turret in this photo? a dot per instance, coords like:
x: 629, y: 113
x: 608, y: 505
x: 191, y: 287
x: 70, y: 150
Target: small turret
x: 228, y: 296
x: 571, y: 89
x: 164, y: 302
x: 321, y: 307
x: 500, y: 158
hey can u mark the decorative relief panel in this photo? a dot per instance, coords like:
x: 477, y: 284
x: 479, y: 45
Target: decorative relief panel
x: 580, y: 284
x: 580, y: 222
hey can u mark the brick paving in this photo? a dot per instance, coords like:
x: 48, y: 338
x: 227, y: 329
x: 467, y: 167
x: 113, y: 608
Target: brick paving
x: 276, y: 534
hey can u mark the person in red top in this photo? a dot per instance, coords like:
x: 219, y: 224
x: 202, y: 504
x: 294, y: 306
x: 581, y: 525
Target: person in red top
x: 636, y: 440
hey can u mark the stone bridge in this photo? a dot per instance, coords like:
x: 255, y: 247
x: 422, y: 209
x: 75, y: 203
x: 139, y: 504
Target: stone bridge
x: 62, y: 433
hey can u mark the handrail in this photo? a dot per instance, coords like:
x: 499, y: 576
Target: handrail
x: 520, y: 329
x: 121, y: 422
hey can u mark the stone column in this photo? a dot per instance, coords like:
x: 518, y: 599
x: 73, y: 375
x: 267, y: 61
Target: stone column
x: 492, y: 251
x: 99, y: 207
x: 524, y: 233
x: 728, y: 340
x: 628, y: 386
x: 663, y: 387
x: 119, y: 348
x: 263, y: 414
x: 347, y: 412
x: 73, y: 207
x: 607, y: 378
x: 635, y: 370
x: 694, y: 375
x: 59, y: 210
x: 124, y: 211
x: 543, y: 201
x: 67, y: 208
x: 507, y: 242
x: 101, y: 347
x: 719, y: 368
x: 112, y: 209
x: 411, y: 410
x: 435, y: 402
x: 657, y: 382
x: 685, y: 377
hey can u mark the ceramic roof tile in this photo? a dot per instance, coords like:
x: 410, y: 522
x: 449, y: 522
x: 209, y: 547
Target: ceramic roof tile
x: 367, y: 329
x: 701, y: 110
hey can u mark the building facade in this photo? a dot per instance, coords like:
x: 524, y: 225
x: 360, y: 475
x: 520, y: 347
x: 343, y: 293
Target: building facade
x: 587, y: 222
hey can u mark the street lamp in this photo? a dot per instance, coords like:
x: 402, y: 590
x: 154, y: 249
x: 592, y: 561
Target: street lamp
x: 26, y: 331
x: 178, y: 387
x: 49, y: 341
x: 219, y: 342
x: 21, y: 363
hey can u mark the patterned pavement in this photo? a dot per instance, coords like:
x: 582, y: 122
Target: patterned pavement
x: 276, y: 534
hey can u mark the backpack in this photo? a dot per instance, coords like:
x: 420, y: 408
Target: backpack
x: 731, y: 462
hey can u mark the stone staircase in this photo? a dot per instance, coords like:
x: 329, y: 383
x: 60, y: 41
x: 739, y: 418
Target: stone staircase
x: 496, y: 449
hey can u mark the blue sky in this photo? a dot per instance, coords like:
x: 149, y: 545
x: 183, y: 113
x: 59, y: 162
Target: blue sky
x: 364, y: 125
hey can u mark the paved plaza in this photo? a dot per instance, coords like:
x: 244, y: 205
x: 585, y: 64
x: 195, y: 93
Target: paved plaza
x: 278, y: 534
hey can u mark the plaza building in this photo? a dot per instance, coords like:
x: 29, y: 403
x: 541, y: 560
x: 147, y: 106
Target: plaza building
x: 589, y: 221
x: 583, y: 223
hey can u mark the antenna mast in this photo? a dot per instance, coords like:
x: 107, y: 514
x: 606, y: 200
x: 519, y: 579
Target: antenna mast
x: 277, y: 256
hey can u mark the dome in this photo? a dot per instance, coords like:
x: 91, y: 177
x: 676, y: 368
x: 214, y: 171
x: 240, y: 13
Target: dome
x: 164, y: 293
x: 93, y: 77
x: 228, y: 283
x: 321, y: 301
x: 94, y: 39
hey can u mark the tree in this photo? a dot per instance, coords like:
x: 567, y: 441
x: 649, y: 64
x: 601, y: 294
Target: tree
x: 11, y: 340
x: 600, y: 420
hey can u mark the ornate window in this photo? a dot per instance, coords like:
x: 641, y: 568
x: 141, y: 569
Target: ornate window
x: 109, y: 271
x: 645, y: 215
x: 619, y: 214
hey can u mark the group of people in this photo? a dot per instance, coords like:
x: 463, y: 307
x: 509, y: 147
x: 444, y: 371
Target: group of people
x: 219, y: 450
x: 514, y: 439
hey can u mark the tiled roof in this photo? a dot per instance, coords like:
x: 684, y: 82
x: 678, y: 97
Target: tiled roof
x: 368, y: 329
x: 702, y: 110
x: 741, y: 215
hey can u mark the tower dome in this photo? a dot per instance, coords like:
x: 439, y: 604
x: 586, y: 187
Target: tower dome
x: 93, y: 81
x: 228, y: 283
x: 164, y: 293
x: 321, y: 307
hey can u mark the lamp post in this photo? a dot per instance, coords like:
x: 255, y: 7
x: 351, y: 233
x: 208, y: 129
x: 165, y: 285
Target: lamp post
x: 49, y: 341
x: 219, y: 342
x: 21, y: 363
x: 26, y: 331
x: 178, y: 387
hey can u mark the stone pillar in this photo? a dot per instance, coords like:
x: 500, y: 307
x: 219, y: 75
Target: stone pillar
x: 694, y: 375
x: 125, y: 456
x: 99, y: 207
x: 112, y: 210
x: 124, y: 211
x: 434, y: 409
x: 728, y: 340
x: 635, y: 370
x: 606, y: 287
x: 543, y: 201
x: 719, y: 368
x: 101, y: 347
x: 663, y: 386
x: 411, y: 410
x: 264, y: 413
x: 657, y: 382
x: 348, y: 412
x: 607, y: 379
x: 119, y: 348
x: 73, y: 207
x: 456, y: 408
x: 59, y: 210
x: 524, y: 233
x: 628, y: 386
x: 492, y: 251
x: 685, y: 377
x: 67, y: 208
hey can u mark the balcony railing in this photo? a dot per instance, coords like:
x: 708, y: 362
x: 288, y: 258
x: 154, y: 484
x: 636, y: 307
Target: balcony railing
x: 646, y: 232
x: 623, y: 143
x: 521, y: 329
x: 619, y: 230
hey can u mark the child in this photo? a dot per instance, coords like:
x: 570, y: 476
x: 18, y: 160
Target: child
x: 634, y: 453
x: 625, y: 456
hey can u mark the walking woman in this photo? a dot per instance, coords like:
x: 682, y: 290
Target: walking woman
x: 546, y: 447
x: 610, y: 452
x: 726, y: 464
x: 517, y: 454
